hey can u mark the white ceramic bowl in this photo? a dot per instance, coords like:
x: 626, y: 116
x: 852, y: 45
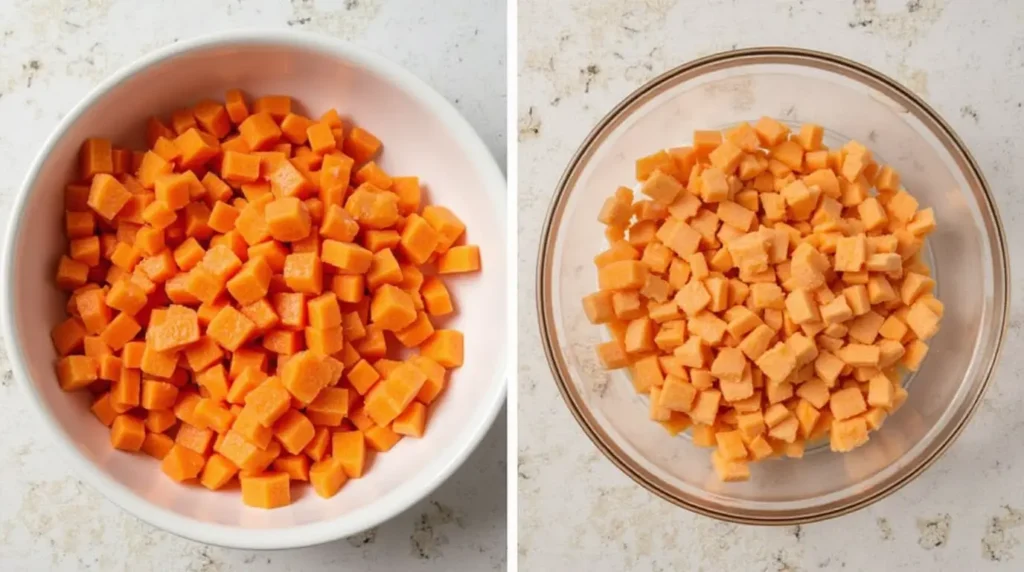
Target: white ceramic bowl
x: 423, y: 135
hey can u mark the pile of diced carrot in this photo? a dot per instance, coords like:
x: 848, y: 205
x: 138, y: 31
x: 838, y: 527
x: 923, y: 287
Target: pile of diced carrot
x: 254, y: 296
x: 768, y: 291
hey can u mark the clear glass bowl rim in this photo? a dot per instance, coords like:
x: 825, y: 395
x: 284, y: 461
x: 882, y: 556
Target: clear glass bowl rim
x: 694, y: 68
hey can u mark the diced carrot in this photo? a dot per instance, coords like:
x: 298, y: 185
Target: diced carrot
x: 361, y: 145
x: 95, y: 157
x: 217, y: 472
x: 127, y: 433
x: 158, y: 395
x: 157, y: 445
x: 270, y: 400
x: 230, y: 328
x: 382, y: 439
x: 329, y: 407
x: 210, y: 247
x: 269, y: 490
x: 212, y: 117
x: 196, y: 147
x: 182, y: 463
x: 445, y: 347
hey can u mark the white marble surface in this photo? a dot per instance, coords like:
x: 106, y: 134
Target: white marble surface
x: 51, y: 53
x: 577, y: 59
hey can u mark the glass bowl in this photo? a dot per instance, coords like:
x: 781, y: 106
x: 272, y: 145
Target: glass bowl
x: 967, y: 254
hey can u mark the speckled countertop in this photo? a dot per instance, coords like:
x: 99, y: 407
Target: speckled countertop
x: 52, y: 53
x: 577, y: 59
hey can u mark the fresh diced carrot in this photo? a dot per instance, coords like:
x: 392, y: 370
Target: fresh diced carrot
x: 197, y: 220
x: 247, y: 424
x: 131, y: 354
x: 179, y: 328
x: 417, y: 332
x: 93, y: 310
x: 295, y: 466
x: 182, y: 120
x: 210, y: 246
x: 436, y: 297
x: 230, y: 328
x: 214, y: 415
x: 262, y: 314
x: 103, y: 410
x: 270, y: 400
x: 335, y: 174
x: 127, y: 433
x: 445, y: 347
x: 234, y: 102
x: 95, y: 157
x: 252, y: 282
x: 168, y: 151
x: 217, y: 472
x: 411, y: 422
x: 349, y: 448
x: 374, y: 344
x: 214, y: 380
x: 86, y: 250
x: 212, y: 117
x: 203, y: 354
x: 269, y: 490
x: 76, y: 372
x: 157, y: 445
x: 381, y: 439
x: 294, y: 431
x: 182, y: 463
x: 287, y: 180
x: 159, y: 215
x: 259, y: 131
x: 158, y: 395
x: 327, y: 476
x: 157, y: 363
x: 79, y: 224
x: 329, y: 407
x: 447, y: 225
x: 126, y: 392
x: 392, y: 308
x: 348, y: 287
x: 371, y: 173
x: 160, y: 420
x: 196, y: 147
x: 361, y: 145
x: 68, y: 336
x: 459, y: 259
x: 303, y: 273
x: 409, y: 194
x: 153, y: 166
x: 194, y: 438
x: 188, y: 254
x: 243, y: 383
x: 277, y: 106
x: 107, y: 195
x: 283, y: 342
x: 222, y: 217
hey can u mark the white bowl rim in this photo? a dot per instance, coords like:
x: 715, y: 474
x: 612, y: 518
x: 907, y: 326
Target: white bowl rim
x: 403, y: 497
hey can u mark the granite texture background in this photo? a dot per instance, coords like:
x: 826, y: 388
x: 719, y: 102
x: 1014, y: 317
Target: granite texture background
x: 577, y: 59
x: 52, y: 53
